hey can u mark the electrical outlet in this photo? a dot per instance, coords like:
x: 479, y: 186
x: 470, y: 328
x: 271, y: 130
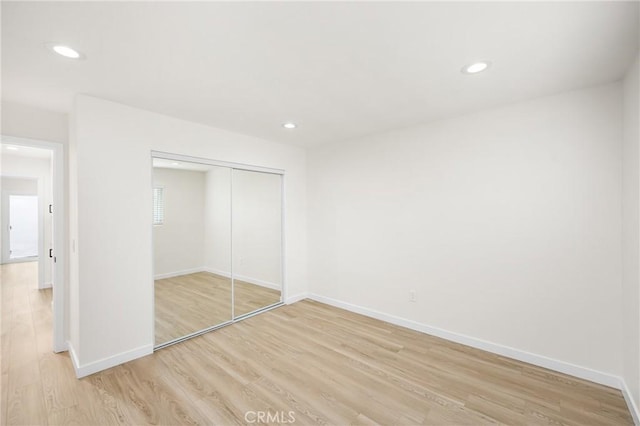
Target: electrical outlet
x: 412, y: 296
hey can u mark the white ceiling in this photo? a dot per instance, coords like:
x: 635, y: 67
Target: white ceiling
x: 340, y: 70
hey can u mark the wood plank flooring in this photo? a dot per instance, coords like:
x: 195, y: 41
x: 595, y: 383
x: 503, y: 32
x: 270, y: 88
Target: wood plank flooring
x: 26, y: 340
x: 322, y: 364
x: 189, y: 303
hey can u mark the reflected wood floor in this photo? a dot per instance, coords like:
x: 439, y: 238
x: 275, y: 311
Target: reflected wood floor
x: 189, y: 303
x: 250, y: 297
x: 326, y: 365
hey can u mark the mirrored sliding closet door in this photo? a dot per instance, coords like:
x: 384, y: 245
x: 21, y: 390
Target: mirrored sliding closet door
x: 217, y: 242
x: 192, y: 247
x: 257, y: 240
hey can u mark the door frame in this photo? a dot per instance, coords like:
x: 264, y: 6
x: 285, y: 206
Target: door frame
x: 59, y: 233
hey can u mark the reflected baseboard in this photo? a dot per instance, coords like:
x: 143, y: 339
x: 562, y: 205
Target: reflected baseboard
x: 179, y: 273
x: 250, y: 280
x: 296, y: 298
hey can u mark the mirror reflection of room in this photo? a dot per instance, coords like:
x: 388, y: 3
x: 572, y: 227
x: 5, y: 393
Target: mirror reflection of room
x: 257, y: 240
x: 192, y: 247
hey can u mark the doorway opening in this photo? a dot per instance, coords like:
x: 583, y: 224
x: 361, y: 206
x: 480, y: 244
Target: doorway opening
x: 23, y: 227
x: 32, y: 221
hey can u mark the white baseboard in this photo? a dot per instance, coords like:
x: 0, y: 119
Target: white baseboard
x: 218, y: 272
x: 178, y: 273
x: 509, y: 352
x: 585, y: 373
x: 296, y: 298
x: 257, y: 281
x: 105, y: 363
x: 64, y: 347
x: 245, y: 278
x: 631, y: 404
x: 74, y: 357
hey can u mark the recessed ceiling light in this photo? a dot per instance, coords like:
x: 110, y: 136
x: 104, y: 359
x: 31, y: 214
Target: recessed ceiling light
x: 12, y: 148
x: 66, y: 51
x: 476, y: 67
x: 175, y: 164
x: 289, y: 125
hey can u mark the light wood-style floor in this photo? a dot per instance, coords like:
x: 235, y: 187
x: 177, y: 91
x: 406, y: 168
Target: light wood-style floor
x: 326, y: 365
x: 189, y: 303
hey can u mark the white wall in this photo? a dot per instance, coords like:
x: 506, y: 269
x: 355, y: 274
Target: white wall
x: 217, y: 231
x: 631, y: 233
x: 257, y: 218
x: 111, y: 273
x: 505, y: 222
x: 29, y: 122
x: 179, y: 241
x: 40, y: 169
x: 21, y: 186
